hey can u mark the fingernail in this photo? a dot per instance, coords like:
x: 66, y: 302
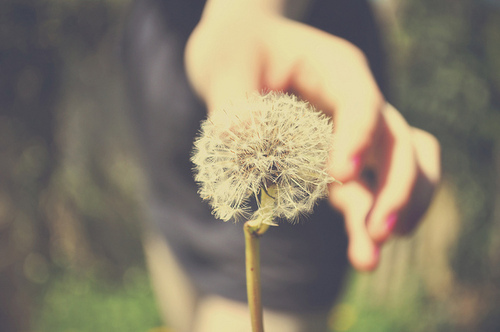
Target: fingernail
x: 391, y: 221
x: 356, y: 162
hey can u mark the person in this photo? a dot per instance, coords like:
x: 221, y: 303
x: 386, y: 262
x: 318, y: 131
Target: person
x: 186, y: 59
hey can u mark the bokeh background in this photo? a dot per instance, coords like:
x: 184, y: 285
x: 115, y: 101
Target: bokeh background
x: 70, y: 185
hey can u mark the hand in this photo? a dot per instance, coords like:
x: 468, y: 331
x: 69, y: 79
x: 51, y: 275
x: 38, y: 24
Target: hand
x: 233, y: 53
x: 405, y: 162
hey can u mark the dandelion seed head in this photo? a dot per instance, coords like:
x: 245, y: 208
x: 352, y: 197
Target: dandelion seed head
x: 272, y: 140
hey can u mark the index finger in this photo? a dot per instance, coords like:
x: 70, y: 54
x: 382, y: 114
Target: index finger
x: 334, y: 74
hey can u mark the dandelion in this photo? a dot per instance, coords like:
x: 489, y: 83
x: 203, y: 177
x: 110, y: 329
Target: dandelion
x: 272, y: 149
x: 271, y: 145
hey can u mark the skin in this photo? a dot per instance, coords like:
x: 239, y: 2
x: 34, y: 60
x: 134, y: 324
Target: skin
x: 240, y: 46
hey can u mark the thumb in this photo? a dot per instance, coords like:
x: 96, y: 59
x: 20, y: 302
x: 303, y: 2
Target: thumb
x: 354, y: 200
x: 230, y: 84
x: 221, y: 68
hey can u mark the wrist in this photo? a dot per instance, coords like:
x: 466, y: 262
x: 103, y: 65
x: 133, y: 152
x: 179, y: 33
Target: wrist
x: 244, y: 7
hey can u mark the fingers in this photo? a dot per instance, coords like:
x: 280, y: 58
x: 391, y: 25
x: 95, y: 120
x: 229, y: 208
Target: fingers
x: 428, y: 154
x: 407, y: 178
x: 396, y: 175
x: 356, y: 127
x: 428, y: 160
x: 354, y: 200
x: 406, y: 163
x: 230, y: 84
x: 223, y: 64
x: 357, y: 116
x: 228, y: 88
x: 334, y: 75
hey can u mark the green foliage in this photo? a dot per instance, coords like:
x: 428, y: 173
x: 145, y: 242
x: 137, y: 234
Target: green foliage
x: 445, y: 82
x: 442, y: 85
x: 387, y: 306
x: 88, y: 304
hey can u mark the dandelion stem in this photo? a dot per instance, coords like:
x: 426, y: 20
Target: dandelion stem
x: 253, y: 230
x: 252, y: 257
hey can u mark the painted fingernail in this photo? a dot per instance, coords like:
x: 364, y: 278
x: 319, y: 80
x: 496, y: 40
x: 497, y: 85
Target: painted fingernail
x: 356, y: 162
x: 391, y: 221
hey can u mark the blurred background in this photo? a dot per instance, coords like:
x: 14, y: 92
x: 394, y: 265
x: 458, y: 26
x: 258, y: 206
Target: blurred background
x: 70, y: 186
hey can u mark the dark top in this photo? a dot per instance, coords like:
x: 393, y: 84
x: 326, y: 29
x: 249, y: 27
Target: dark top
x: 303, y: 265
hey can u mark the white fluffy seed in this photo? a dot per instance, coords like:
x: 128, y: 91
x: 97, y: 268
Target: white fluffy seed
x: 276, y: 141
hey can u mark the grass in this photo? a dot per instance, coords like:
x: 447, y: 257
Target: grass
x: 85, y: 303
x: 73, y: 303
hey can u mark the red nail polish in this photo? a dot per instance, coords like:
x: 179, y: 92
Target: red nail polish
x: 356, y: 162
x: 391, y: 221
